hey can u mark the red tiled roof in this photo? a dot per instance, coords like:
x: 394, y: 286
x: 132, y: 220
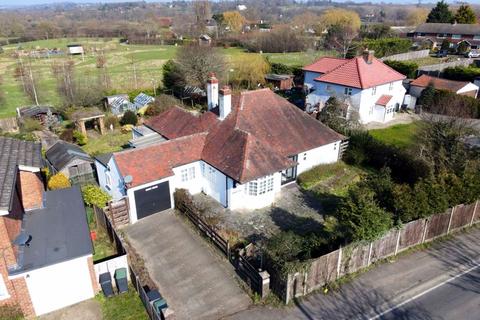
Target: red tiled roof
x: 357, y: 73
x: 325, y: 64
x: 384, y: 100
x: 254, y: 140
x: 441, y: 84
x: 155, y: 162
x: 177, y: 122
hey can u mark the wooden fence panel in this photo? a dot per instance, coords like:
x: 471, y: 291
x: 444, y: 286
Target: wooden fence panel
x: 354, y: 257
x: 462, y: 216
x: 385, y: 246
x: 322, y: 271
x: 437, y: 225
x: 476, y: 218
x: 411, y: 234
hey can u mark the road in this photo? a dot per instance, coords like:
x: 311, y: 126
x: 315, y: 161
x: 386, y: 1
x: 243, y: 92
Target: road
x: 442, y: 282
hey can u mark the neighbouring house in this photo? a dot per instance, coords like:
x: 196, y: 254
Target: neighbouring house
x: 463, y: 88
x: 39, y: 113
x: 280, y: 81
x: 72, y: 161
x: 372, y: 90
x: 45, y: 246
x: 240, y: 152
x: 455, y: 33
x: 204, y: 40
x: 75, y: 49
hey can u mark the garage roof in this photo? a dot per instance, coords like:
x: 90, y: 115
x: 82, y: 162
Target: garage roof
x: 59, y: 231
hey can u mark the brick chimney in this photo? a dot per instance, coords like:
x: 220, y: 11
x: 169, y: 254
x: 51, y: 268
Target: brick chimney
x: 368, y: 56
x: 212, y: 91
x: 225, y: 100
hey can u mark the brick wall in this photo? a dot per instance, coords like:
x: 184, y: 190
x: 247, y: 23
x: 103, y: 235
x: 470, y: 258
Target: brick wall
x: 93, y: 277
x: 30, y: 189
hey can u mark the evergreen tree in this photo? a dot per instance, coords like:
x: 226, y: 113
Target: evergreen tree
x: 440, y: 13
x: 427, y: 96
x: 465, y: 14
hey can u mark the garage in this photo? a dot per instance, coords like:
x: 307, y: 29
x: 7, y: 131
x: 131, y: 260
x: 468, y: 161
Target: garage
x: 152, y: 199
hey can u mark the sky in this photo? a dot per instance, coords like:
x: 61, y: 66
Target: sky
x: 30, y: 2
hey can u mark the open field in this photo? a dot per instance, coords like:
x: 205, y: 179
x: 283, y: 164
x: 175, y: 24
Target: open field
x: 147, y: 60
x: 399, y: 135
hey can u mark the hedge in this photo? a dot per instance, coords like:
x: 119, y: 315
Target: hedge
x: 382, y: 47
x: 462, y: 73
x: 407, y: 68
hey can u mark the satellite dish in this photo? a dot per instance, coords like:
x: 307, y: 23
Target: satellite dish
x: 128, y: 179
x: 22, y: 240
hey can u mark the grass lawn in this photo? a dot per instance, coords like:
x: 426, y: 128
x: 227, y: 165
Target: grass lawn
x: 399, y: 135
x: 102, y: 246
x: 125, y: 306
x: 110, y: 142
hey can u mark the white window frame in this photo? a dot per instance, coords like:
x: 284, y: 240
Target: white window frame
x: 3, y: 289
x: 108, y: 179
x: 390, y: 86
x: 260, y: 186
x: 441, y: 35
x: 347, y: 91
x: 187, y: 174
x: 374, y: 91
x: 456, y: 36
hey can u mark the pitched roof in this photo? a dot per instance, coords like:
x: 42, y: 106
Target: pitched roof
x: 357, y: 73
x: 59, y: 231
x: 104, y: 158
x: 325, y: 64
x: 32, y: 111
x: 384, y: 100
x: 61, y: 153
x: 14, y: 152
x: 156, y: 162
x: 255, y: 139
x: 449, y: 28
x: 439, y: 83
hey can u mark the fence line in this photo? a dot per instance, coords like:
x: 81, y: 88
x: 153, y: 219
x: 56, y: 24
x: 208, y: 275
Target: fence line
x: 357, y: 256
x: 412, y: 55
x: 437, y: 69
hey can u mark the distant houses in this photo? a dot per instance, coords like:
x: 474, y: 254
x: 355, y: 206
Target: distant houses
x: 463, y: 88
x: 455, y: 33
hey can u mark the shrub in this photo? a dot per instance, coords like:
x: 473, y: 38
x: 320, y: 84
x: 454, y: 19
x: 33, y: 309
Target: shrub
x: 94, y: 196
x: 161, y: 104
x: 451, y: 104
x: 278, y: 40
x: 462, y: 73
x: 111, y: 120
x: 30, y: 125
x: 129, y: 117
x: 404, y: 67
x: 126, y: 128
x: 382, y: 47
x: 79, y: 138
x: 67, y: 135
x: 280, y: 68
x: 58, y: 181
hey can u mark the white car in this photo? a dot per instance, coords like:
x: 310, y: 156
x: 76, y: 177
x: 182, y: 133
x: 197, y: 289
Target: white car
x: 473, y: 54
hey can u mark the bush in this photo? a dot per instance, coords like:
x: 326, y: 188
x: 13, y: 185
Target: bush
x: 94, y: 196
x: 462, y: 73
x: 161, y: 104
x: 280, y: 68
x: 67, y: 135
x: 407, y: 68
x: 277, y: 41
x: 111, y: 120
x: 129, y: 117
x: 79, y: 138
x: 382, y: 47
x: 30, y: 125
x: 58, y: 181
x: 451, y: 104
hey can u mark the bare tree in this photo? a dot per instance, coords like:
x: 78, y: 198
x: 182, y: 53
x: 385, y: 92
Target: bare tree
x: 64, y: 74
x: 101, y: 64
x: 341, y: 38
x: 23, y: 72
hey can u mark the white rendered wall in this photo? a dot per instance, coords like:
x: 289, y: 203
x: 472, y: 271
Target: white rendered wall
x: 323, y: 91
x: 116, y: 190
x: 368, y: 100
x: 240, y: 199
x: 468, y: 88
x: 321, y: 155
x: 60, y: 285
x: 214, y: 183
x: 193, y: 186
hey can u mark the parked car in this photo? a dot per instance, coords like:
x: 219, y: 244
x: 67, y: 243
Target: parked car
x: 473, y: 54
x: 442, y: 53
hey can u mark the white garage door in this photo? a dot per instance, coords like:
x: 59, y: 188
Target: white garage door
x: 55, y: 287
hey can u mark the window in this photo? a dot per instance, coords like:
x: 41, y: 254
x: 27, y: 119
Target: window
x: 3, y: 289
x: 421, y: 34
x: 260, y: 186
x: 108, y: 180
x: 348, y: 91
x: 329, y: 87
x: 456, y: 36
x: 304, y: 156
x: 476, y: 37
x: 390, y: 86
x: 188, y: 174
x: 374, y: 91
x: 441, y: 35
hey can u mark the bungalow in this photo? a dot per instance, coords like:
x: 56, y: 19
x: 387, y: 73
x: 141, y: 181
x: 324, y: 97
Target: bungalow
x: 240, y: 152
x: 463, y: 88
x: 46, y: 251
x: 371, y: 89
x: 455, y: 33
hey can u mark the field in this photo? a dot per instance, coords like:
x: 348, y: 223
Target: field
x: 147, y: 60
x: 399, y: 135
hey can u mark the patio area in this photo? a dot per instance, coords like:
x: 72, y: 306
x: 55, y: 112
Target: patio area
x: 294, y: 210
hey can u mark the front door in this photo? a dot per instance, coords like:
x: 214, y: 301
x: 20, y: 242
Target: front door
x: 290, y: 174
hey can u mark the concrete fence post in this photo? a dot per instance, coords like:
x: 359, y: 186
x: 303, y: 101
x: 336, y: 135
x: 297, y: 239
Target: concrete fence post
x: 450, y: 221
x: 474, y: 212
x: 265, y: 288
x: 339, y: 261
x: 287, y: 291
x: 425, y: 228
x: 305, y: 283
x: 369, y: 254
x: 399, y: 232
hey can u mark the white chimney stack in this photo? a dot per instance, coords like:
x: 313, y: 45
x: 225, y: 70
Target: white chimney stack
x: 212, y: 91
x: 225, y: 102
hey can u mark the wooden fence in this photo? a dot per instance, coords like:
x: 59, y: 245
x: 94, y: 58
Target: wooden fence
x: 356, y: 256
x: 142, y: 292
x: 437, y: 69
x: 412, y: 55
x: 118, y: 212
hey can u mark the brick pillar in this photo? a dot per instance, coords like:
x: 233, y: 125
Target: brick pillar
x: 93, y: 276
x: 81, y: 127
x: 23, y: 297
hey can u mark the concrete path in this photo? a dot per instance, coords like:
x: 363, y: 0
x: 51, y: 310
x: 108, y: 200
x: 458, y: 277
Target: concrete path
x: 404, y: 289
x: 400, y: 118
x: 197, y: 283
x: 86, y: 310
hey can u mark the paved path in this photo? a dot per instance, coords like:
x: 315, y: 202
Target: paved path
x: 86, y: 310
x: 197, y: 283
x: 392, y: 285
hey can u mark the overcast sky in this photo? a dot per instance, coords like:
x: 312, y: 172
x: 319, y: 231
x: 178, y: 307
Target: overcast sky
x: 29, y: 2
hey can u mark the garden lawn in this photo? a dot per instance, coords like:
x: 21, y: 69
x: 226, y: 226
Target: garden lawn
x: 125, y: 306
x: 110, y: 142
x: 399, y: 135
x: 102, y: 247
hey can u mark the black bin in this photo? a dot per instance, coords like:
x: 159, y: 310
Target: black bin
x: 121, y: 280
x: 105, y: 280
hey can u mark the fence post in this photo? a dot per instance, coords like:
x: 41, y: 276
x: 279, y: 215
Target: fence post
x: 369, y: 254
x: 425, y: 228
x: 450, y: 221
x: 399, y: 232
x: 339, y: 261
x: 228, y: 250
x: 474, y: 212
x: 287, y: 291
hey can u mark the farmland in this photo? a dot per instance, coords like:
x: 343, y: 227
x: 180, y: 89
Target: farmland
x: 122, y: 61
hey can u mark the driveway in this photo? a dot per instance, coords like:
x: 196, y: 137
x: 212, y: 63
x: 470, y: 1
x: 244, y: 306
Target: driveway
x: 197, y: 283
x: 86, y: 310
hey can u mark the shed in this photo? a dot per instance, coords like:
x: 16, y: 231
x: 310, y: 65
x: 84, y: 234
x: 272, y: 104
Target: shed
x: 72, y: 161
x: 280, y: 81
x: 464, y: 88
x: 75, y: 49
x: 204, y: 40
x: 39, y: 113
